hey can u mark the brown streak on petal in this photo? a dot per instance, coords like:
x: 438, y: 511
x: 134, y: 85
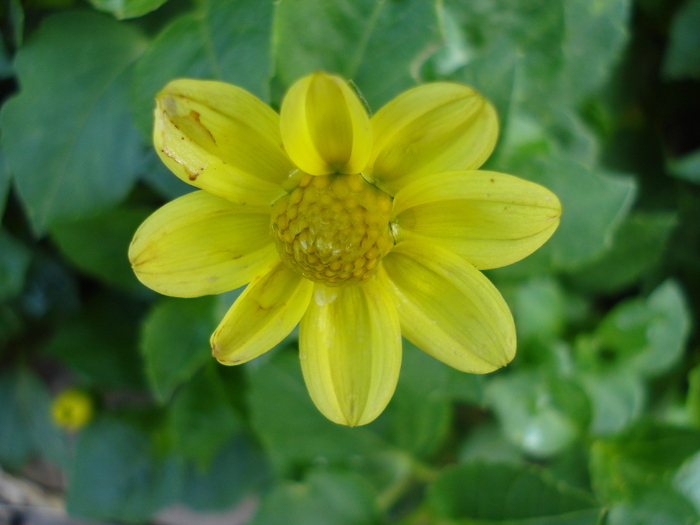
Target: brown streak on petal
x: 196, y: 117
x: 191, y: 174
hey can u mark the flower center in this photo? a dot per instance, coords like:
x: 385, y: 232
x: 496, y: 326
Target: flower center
x: 333, y: 229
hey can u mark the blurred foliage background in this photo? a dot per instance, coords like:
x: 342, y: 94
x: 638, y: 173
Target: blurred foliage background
x: 597, y: 420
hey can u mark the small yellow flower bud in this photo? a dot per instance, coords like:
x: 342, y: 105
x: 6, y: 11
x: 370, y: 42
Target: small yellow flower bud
x: 72, y: 409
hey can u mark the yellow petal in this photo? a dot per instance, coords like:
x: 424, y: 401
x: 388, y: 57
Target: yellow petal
x: 350, y: 351
x: 264, y: 314
x: 429, y: 129
x: 201, y: 244
x: 491, y: 219
x: 325, y: 128
x: 448, y: 308
x: 222, y: 139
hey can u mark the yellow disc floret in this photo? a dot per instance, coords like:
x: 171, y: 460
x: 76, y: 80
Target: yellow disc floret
x: 333, y: 229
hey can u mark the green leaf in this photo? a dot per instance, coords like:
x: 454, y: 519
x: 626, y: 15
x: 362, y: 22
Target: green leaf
x: 594, y: 205
x: 72, y: 149
x: 486, y: 442
x: 5, y: 179
x: 26, y: 427
x: 14, y: 262
x: 122, y: 9
x: 238, y: 470
x: 293, y: 431
x: 687, y: 480
x: 201, y: 418
x: 568, y: 47
x: 618, y: 398
x: 420, y: 412
x: 117, y: 475
x: 660, y: 506
x: 16, y: 22
x: 175, y: 341
x: 465, y: 388
x: 98, y: 245
x: 6, y: 69
x: 11, y: 324
x: 596, y: 34
x: 647, y: 336
x: 509, y: 493
x: 693, y: 399
x: 539, y: 412
x: 637, y: 248
x: 376, y: 43
x: 51, y: 290
x: 644, y: 458
x: 161, y: 180
x: 15, y: 443
x: 100, y: 344
x: 324, y: 498
x: 687, y: 167
x: 226, y: 40
x: 539, y: 310
x: 682, y: 58
x: 512, y: 26
x: 397, y: 43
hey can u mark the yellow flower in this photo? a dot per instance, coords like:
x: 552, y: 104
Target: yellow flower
x: 72, y: 409
x: 360, y: 229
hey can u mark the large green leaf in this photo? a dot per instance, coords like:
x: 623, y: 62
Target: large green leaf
x: 26, y: 427
x: 420, y: 411
x: 647, y: 336
x: 682, y: 58
x: 596, y: 34
x: 644, y: 458
x: 291, y: 428
x: 693, y: 399
x: 161, y: 180
x: 127, y: 8
x: 98, y: 245
x: 15, y: 443
x: 509, y: 493
x: 687, y: 480
x: 100, y: 345
x: 486, y: 442
x: 377, y: 43
x: 324, y: 498
x: 593, y: 204
x: 175, y: 341
x: 657, y: 506
x: 14, y: 262
x: 72, y: 148
x: 687, y: 167
x: 225, y: 40
x: 6, y: 70
x: 5, y: 180
x: 539, y: 309
x: 201, y: 418
x: 562, y: 61
x: 238, y: 470
x: 618, y: 398
x: 636, y: 250
x: 538, y: 411
x: 117, y: 475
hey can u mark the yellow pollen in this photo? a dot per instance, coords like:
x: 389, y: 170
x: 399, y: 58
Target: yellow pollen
x: 333, y: 229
